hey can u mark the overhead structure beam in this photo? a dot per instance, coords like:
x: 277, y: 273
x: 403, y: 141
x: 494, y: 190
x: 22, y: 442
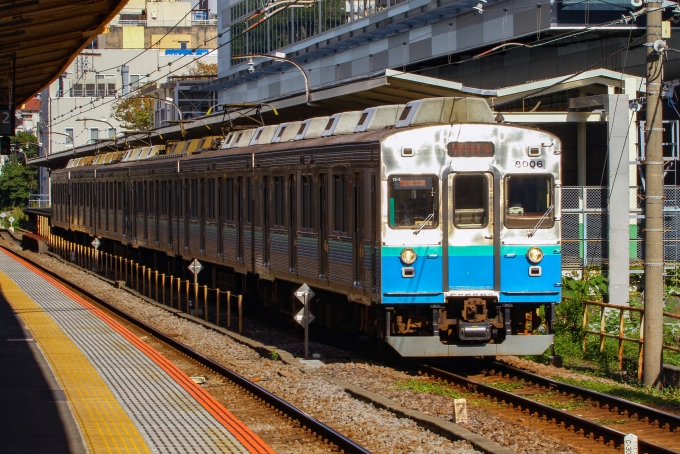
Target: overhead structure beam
x: 45, y: 36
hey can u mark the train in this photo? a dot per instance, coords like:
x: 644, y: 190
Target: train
x: 428, y: 226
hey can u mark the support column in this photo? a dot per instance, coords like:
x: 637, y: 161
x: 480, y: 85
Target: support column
x: 619, y: 215
x: 581, y: 152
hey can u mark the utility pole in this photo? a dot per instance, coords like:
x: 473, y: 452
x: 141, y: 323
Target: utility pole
x: 653, y: 326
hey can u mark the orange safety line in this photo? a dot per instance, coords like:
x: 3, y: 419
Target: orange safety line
x: 247, y: 437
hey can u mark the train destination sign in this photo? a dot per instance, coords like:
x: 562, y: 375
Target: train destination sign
x: 412, y: 182
x: 470, y: 149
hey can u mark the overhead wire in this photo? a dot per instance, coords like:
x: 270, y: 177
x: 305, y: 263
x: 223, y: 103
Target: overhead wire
x: 170, y: 64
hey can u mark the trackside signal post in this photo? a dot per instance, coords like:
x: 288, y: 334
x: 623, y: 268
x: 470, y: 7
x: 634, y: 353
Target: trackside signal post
x: 304, y: 317
x: 653, y: 326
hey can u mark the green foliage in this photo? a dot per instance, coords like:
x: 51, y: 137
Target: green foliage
x: 24, y: 137
x: 133, y: 113
x: 436, y: 387
x: 273, y: 355
x: 590, y: 287
x: 17, y: 182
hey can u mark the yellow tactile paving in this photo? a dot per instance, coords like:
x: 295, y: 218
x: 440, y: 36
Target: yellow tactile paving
x: 103, y: 422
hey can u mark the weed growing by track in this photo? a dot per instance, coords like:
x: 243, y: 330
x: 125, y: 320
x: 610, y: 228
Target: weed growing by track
x: 439, y: 388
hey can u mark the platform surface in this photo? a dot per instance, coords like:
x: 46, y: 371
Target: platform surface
x: 89, y: 384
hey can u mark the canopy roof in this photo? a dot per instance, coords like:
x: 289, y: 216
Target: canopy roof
x: 42, y: 37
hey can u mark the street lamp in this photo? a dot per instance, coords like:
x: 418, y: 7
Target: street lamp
x: 37, y: 144
x: 58, y: 133
x: 251, y: 67
x: 115, y: 133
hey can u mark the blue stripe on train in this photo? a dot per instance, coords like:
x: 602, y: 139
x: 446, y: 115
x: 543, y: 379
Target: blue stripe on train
x: 426, y: 284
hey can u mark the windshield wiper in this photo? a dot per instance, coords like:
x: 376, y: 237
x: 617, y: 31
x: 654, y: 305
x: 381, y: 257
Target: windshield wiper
x: 428, y: 218
x: 540, y: 221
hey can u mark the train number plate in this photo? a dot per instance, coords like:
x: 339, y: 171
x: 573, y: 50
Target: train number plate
x: 531, y: 164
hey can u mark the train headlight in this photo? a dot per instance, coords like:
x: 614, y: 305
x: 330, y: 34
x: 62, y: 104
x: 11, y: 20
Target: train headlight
x: 408, y: 256
x: 535, y: 255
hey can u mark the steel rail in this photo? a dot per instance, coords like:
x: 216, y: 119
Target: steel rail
x: 311, y: 423
x: 583, y: 426
x: 611, y: 403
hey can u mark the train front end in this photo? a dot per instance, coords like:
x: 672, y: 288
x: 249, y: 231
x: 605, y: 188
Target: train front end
x: 470, y: 246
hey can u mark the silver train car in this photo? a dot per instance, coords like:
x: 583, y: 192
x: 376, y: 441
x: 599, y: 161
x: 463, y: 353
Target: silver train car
x: 428, y: 226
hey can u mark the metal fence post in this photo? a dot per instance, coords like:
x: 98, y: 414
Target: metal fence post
x: 240, y: 314
x: 228, y: 308
x: 217, y: 306
x: 163, y: 286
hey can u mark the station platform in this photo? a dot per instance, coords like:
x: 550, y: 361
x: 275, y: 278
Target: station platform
x: 75, y: 380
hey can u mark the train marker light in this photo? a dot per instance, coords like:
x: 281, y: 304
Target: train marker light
x: 535, y: 255
x: 408, y: 256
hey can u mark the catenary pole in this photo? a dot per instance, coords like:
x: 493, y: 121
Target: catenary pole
x: 653, y: 326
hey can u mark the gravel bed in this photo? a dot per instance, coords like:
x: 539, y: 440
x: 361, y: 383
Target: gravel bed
x: 378, y: 430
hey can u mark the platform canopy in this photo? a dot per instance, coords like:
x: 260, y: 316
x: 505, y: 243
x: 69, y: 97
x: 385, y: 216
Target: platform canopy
x: 379, y: 88
x: 40, y: 38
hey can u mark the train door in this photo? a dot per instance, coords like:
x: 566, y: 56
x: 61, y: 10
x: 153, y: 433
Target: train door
x: 323, y: 226
x: 358, y: 228
x: 185, y: 212
x: 158, y: 198
x: 292, y: 223
x: 470, y: 231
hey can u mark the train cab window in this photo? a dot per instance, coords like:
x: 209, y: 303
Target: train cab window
x: 413, y: 201
x: 470, y: 201
x: 529, y: 201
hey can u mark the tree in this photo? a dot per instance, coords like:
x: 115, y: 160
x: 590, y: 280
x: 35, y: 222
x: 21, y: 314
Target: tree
x: 24, y: 137
x: 17, y: 182
x: 133, y: 113
x: 202, y: 69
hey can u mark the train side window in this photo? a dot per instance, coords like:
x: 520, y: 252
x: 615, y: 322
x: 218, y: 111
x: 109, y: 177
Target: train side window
x: 193, y: 210
x: 279, y: 205
x: 229, y: 200
x: 307, y: 217
x: 413, y: 201
x: 340, y: 203
x: 470, y: 201
x: 528, y: 201
x: 249, y: 200
x: 211, y: 199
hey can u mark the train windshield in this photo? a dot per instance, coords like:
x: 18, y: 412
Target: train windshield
x: 413, y: 201
x: 528, y: 200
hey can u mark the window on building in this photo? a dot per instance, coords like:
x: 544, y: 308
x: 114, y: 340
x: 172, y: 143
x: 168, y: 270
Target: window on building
x: 68, y: 140
x: 94, y: 134
x: 183, y: 45
x: 106, y: 85
x: 111, y: 133
x: 137, y: 80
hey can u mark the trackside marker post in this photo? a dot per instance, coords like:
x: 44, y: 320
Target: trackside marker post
x: 304, y: 317
x: 630, y: 444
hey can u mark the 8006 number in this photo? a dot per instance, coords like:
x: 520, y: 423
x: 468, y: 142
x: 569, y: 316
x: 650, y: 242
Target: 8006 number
x: 534, y: 164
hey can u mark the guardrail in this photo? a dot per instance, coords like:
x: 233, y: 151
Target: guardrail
x: 620, y: 334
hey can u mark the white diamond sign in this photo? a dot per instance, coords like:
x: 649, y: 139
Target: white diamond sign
x: 195, y: 267
x: 302, y: 320
x: 11, y: 220
x: 302, y: 291
x: 96, y: 243
x: 3, y: 215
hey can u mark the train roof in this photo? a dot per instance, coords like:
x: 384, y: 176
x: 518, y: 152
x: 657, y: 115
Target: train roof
x: 359, y: 128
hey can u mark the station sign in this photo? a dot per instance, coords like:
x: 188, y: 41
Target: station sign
x: 7, y: 120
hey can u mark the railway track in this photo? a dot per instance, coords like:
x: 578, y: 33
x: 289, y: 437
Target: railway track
x: 537, y: 397
x: 311, y: 425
